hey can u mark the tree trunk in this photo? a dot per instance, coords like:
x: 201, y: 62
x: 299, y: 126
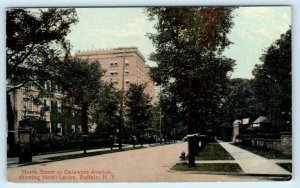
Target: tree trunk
x: 84, y: 126
x: 190, y: 127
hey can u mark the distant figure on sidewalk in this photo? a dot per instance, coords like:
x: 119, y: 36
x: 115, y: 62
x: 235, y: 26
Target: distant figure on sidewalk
x: 111, y: 142
x: 134, y: 140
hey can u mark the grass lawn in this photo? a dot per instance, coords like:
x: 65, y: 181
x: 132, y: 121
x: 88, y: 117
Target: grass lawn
x: 210, y: 167
x: 287, y: 166
x: 269, y: 154
x: 213, y: 151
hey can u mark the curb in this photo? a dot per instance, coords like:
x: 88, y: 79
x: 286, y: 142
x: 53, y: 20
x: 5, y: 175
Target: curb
x: 231, y: 173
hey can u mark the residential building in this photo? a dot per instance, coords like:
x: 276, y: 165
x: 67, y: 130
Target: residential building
x: 46, y: 113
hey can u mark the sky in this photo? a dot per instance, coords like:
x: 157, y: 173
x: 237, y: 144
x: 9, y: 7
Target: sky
x: 255, y: 29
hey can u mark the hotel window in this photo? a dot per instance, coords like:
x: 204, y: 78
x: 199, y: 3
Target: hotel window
x: 127, y: 82
x: 126, y: 63
x: 113, y: 63
x: 126, y: 72
x: 113, y: 73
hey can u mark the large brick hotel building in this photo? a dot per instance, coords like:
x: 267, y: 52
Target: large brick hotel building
x: 122, y: 65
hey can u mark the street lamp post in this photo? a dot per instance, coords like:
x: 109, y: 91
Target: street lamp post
x: 25, y: 131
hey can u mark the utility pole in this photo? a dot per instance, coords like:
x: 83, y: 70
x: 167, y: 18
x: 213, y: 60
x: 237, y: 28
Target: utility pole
x: 122, y: 101
x: 160, y: 116
x: 160, y: 136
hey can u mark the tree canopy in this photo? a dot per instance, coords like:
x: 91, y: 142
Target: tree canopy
x: 240, y: 100
x: 35, y: 38
x: 186, y: 37
x: 273, y: 81
x: 137, y: 109
x: 189, y: 43
x: 105, y: 111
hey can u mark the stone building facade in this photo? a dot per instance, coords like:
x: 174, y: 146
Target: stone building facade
x: 26, y: 105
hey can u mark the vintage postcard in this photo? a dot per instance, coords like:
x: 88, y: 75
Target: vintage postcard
x: 149, y: 94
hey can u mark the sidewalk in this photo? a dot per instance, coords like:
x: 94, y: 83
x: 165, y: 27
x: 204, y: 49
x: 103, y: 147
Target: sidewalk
x: 253, y: 164
x: 14, y: 161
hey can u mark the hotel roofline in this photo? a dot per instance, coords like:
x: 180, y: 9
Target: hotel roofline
x: 111, y: 50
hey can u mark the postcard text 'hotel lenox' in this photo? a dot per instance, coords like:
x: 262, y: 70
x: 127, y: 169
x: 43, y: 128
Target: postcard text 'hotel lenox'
x: 66, y: 174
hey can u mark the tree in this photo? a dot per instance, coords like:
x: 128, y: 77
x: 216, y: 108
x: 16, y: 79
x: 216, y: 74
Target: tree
x: 81, y: 80
x: 153, y: 127
x: 105, y: 111
x: 273, y: 82
x: 137, y: 109
x: 239, y: 103
x: 170, y: 106
x: 189, y: 44
x: 34, y: 39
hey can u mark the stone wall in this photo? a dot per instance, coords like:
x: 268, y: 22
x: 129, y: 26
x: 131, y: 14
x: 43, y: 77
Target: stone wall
x: 283, y: 145
x: 286, y: 143
x: 274, y: 144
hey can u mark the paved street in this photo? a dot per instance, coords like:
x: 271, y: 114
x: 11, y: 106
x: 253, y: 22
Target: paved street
x: 142, y: 165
